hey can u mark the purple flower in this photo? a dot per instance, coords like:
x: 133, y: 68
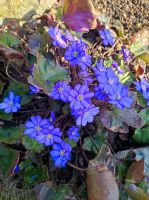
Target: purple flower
x: 68, y: 37
x: 83, y: 116
x: 73, y: 133
x: 126, y: 54
x: 108, y: 79
x: 49, y: 138
x: 106, y: 36
x: 120, y: 97
x: 56, y: 34
x: 142, y: 86
x: 99, y: 68
x: 36, y: 126
x: 79, y: 97
x: 52, y: 117
x: 16, y: 169
x: 33, y: 89
x: 60, y: 91
x: 85, y: 61
x: 84, y: 75
x: 115, y: 65
x: 11, y: 104
x: 75, y: 52
x: 61, y: 154
x: 100, y: 93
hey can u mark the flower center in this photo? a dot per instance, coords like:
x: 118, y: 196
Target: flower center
x: 73, y: 132
x: 80, y: 97
x: 118, y: 97
x: 62, y: 153
x: 60, y: 89
x: 143, y: 87
x: 75, y: 54
x: 110, y: 81
x: 10, y: 103
x: 50, y: 136
x: 83, y: 59
x: 86, y: 114
x: 38, y: 128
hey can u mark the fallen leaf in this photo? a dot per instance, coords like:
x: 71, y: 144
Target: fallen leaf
x: 79, y: 15
x: 135, y: 172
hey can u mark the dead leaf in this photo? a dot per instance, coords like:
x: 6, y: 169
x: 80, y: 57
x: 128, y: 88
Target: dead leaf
x: 101, y: 183
x: 79, y: 15
x: 136, y: 193
x: 11, y: 53
x: 135, y: 172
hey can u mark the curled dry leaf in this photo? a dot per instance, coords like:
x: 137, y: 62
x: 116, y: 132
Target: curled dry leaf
x: 135, y: 172
x: 136, y: 193
x: 11, y: 53
x: 101, y: 183
x: 79, y: 15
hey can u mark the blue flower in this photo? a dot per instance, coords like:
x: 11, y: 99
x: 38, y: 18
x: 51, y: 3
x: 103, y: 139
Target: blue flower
x: 126, y: 54
x: 49, y: 138
x: 68, y: 37
x: 100, y: 93
x: 60, y: 91
x: 85, y: 61
x: 16, y: 169
x: 106, y: 36
x: 61, y: 154
x: 73, y: 133
x: 108, y: 79
x: 99, y: 68
x: 36, y: 126
x: 52, y: 117
x: 33, y: 89
x: 75, y: 52
x: 80, y: 96
x: 83, y: 116
x: 85, y: 76
x: 11, y: 104
x: 120, y: 97
x: 57, y: 36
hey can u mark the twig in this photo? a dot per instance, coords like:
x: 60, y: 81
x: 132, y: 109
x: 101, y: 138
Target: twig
x: 76, y: 167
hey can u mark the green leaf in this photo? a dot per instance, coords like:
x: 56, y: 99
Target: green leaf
x: 20, y: 90
x: 71, y: 142
x: 141, y: 100
x: 9, y: 39
x: 127, y: 78
x: 32, y: 144
x: 6, y: 116
x: 8, y: 160
x: 11, y: 135
x: 141, y: 136
x: 44, y: 71
x: 2, y: 84
x: 145, y: 115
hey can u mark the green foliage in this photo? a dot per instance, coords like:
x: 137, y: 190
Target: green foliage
x: 11, y: 135
x: 5, y: 116
x: 141, y: 100
x: 44, y: 71
x: 8, y: 160
x: 127, y: 78
x: 71, y: 142
x: 32, y: 144
x: 145, y: 115
x: 9, y: 39
x: 141, y: 136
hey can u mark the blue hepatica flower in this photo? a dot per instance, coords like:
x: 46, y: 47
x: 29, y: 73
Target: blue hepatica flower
x: 86, y: 61
x: 75, y: 52
x: 57, y: 36
x: 83, y: 116
x: 100, y: 93
x: 107, y: 37
x: 68, y: 37
x: 36, y: 126
x: 33, y: 89
x: 119, y: 96
x: 16, y: 169
x: 126, y: 54
x: 143, y: 87
x: 53, y: 135
x: 79, y: 97
x: 61, y: 154
x: 52, y: 117
x: 73, y: 133
x: 60, y: 91
x: 108, y: 79
x: 99, y: 68
x: 11, y: 104
x: 85, y: 76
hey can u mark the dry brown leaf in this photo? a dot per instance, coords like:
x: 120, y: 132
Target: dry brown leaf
x: 135, y: 172
x: 79, y: 15
x: 101, y: 183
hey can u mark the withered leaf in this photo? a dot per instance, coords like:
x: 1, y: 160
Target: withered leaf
x: 79, y: 15
x: 135, y: 172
